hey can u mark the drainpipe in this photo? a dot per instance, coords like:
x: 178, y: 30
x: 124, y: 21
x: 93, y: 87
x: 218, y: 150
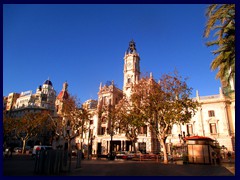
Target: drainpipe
x: 202, y: 121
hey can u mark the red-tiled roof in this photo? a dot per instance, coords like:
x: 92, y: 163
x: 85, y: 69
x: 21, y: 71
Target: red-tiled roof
x: 63, y: 95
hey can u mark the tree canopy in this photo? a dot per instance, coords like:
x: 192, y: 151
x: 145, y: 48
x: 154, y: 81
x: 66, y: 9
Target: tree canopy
x: 27, y: 126
x: 163, y: 104
x: 221, y: 21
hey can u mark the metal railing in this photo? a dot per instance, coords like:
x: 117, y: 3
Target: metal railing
x: 55, y: 161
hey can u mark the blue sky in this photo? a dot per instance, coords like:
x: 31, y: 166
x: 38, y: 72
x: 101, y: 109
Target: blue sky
x: 85, y: 45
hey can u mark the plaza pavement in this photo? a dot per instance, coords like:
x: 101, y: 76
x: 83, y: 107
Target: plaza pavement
x: 24, y: 166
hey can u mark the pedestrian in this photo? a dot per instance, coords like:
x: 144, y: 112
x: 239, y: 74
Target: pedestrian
x: 83, y: 156
x: 213, y: 160
x: 218, y: 157
x: 229, y: 156
x: 11, y: 149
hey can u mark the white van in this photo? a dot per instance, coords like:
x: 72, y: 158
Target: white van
x: 38, y: 148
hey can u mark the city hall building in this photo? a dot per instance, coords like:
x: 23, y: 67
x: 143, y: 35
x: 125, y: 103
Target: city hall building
x: 215, y: 118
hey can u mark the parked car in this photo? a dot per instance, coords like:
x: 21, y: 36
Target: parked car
x: 37, y: 148
x: 112, y: 156
x: 170, y: 157
x: 74, y: 152
x: 122, y: 155
x: 138, y: 154
x: 28, y: 150
x: 6, y: 152
x: 17, y: 150
x: 150, y: 156
x: 131, y: 155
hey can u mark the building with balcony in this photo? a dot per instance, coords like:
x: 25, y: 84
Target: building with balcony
x: 215, y: 118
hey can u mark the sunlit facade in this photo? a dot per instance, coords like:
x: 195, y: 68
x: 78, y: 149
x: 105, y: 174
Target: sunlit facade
x: 215, y: 118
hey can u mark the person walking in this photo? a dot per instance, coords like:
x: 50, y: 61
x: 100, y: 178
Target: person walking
x: 229, y: 156
x: 11, y: 149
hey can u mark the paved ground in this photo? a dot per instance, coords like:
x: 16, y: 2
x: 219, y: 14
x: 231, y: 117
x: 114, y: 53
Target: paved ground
x: 24, y: 166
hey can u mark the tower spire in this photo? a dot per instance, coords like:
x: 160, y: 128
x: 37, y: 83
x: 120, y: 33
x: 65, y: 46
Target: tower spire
x: 65, y: 86
x: 131, y: 68
x: 132, y: 47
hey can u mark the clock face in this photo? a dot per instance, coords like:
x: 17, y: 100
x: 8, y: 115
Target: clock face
x: 129, y: 64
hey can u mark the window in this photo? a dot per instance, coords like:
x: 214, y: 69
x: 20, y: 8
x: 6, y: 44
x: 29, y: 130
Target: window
x: 211, y: 113
x: 189, y: 129
x: 104, y: 120
x: 129, y: 80
x: 169, y: 131
x: 103, y: 130
x: 142, y: 147
x: 104, y: 100
x: 213, y: 128
x: 143, y: 130
x: 120, y: 130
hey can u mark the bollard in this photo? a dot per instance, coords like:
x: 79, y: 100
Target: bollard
x: 69, y: 161
x: 57, y: 164
x: 79, y: 158
x: 36, y: 166
x: 53, y: 162
x: 52, y: 157
x: 65, y: 161
x: 46, y: 166
x: 39, y: 162
x: 61, y: 158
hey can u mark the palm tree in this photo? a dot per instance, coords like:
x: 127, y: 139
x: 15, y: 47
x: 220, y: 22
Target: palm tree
x: 221, y: 20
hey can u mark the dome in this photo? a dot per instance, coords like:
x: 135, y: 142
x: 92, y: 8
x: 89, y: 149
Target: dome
x: 48, y: 82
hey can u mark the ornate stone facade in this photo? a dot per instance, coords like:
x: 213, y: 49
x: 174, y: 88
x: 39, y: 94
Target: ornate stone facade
x: 215, y: 118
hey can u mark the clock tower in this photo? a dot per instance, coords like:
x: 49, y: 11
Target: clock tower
x: 131, y: 68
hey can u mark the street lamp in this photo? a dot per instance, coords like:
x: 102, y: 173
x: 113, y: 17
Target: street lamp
x: 111, y: 143
x: 112, y: 157
x: 92, y: 138
x: 68, y: 129
x: 89, y: 134
x: 170, y: 146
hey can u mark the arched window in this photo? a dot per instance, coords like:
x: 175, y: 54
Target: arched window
x: 213, y: 128
x: 213, y: 125
x: 129, y: 80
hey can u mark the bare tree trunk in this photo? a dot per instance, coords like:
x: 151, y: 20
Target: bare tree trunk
x: 23, y: 146
x: 134, y: 145
x: 165, y: 160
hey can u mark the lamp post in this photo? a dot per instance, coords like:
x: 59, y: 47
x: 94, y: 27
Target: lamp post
x: 89, y: 134
x: 170, y: 146
x: 69, y: 153
x: 92, y: 138
x: 111, y: 143
x: 112, y: 157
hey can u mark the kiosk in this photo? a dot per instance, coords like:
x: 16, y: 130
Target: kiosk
x: 200, y: 150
